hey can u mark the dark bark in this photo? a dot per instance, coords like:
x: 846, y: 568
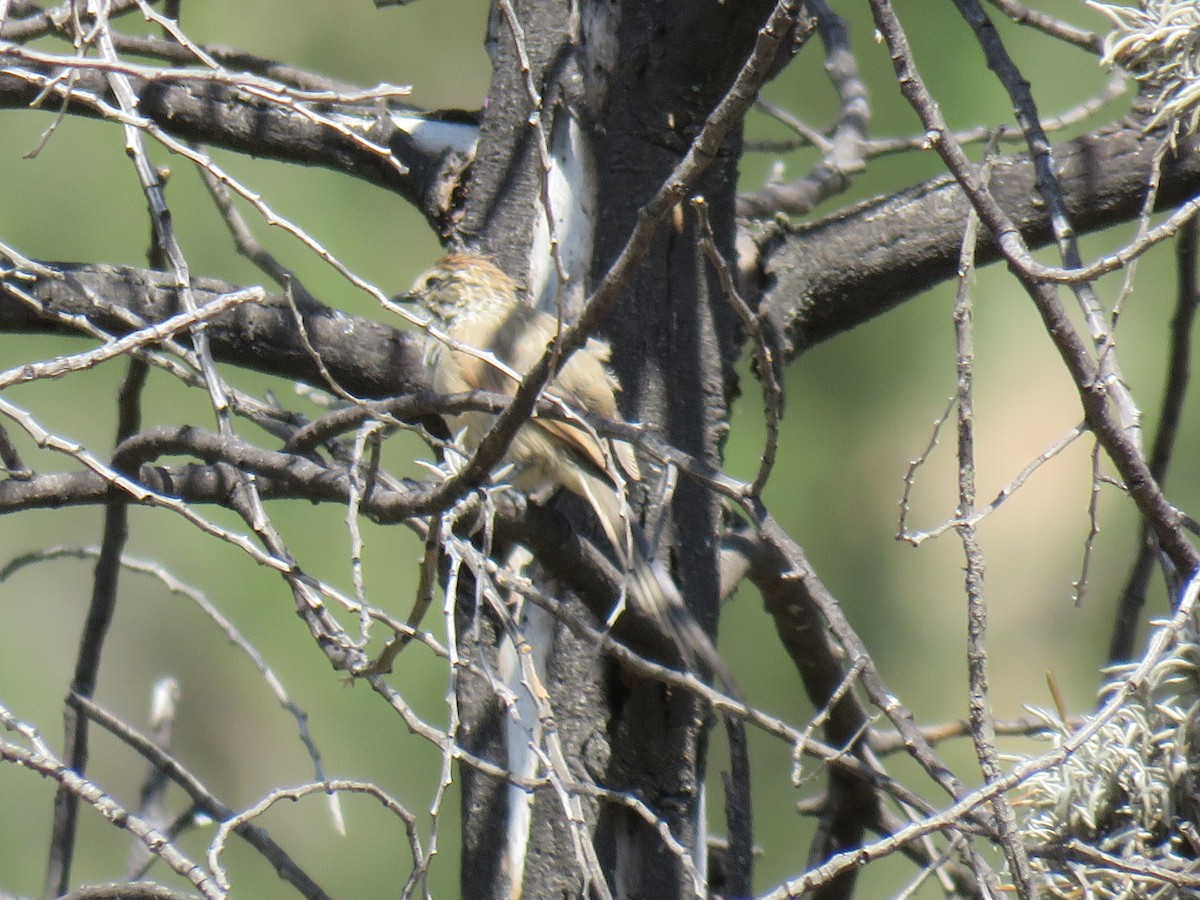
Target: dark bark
x: 641, y: 79
x: 674, y: 336
x: 907, y: 242
x: 211, y: 113
x: 369, y: 359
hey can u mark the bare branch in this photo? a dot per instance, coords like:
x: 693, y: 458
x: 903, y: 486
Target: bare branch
x: 843, y: 155
x: 1121, y: 447
x: 201, y: 797
x: 213, y: 108
x: 369, y: 358
x: 907, y: 242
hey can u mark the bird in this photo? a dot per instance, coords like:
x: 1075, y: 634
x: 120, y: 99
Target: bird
x: 472, y: 301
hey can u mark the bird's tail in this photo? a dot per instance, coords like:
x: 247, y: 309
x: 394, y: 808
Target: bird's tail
x: 651, y: 588
x: 655, y: 592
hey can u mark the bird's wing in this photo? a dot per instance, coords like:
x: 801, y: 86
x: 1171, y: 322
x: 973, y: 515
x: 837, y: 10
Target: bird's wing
x: 584, y: 383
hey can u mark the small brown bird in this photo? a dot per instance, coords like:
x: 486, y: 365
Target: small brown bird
x: 476, y: 304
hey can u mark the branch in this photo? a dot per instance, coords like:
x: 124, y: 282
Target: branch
x: 367, y: 358
x: 210, y: 108
x: 202, y: 799
x: 1178, y: 379
x: 100, y: 614
x: 907, y: 242
x: 1089, y: 376
x: 40, y: 760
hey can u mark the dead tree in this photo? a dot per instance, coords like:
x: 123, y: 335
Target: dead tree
x: 602, y: 173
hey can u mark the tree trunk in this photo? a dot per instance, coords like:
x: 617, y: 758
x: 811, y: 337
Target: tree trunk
x: 625, y: 88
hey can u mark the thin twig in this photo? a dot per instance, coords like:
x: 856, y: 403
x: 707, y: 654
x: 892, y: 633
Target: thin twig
x: 91, y: 642
x: 764, y: 356
x: 842, y: 154
x: 1050, y: 189
x: 243, y: 819
x: 56, y: 19
x: 164, y: 705
x: 1079, y: 586
x: 42, y: 760
x: 1048, y: 24
x: 1175, y: 387
x: 983, y: 733
x: 1121, y: 448
x: 872, y: 148
x: 916, y: 538
x: 138, y: 340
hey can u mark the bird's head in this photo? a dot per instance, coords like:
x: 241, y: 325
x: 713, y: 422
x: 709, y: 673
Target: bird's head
x: 462, y: 285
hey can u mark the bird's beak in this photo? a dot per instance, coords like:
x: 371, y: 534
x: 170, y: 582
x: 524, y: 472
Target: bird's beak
x: 406, y: 297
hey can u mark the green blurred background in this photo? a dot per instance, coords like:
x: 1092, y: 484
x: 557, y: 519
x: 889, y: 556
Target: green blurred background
x: 859, y: 408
